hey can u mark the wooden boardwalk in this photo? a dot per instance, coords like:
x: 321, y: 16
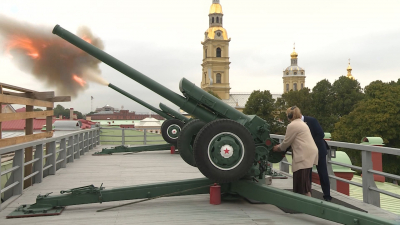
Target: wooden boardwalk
x: 150, y: 167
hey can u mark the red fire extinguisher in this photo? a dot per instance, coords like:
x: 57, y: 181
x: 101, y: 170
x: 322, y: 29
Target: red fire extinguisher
x: 215, y: 194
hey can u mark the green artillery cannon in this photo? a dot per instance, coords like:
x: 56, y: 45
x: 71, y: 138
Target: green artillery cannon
x: 229, y: 148
x: 172, y: 127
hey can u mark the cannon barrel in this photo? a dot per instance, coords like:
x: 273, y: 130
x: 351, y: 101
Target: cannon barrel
x: 159, y: 112
x: 174, y: 113
x: 212, y: 109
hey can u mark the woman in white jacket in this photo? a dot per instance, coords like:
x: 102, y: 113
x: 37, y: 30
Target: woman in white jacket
x: 305, y: 152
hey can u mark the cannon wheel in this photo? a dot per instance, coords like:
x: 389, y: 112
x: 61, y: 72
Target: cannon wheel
x: 224, y: 150
x: 171, y: 129
x: 186, y: 140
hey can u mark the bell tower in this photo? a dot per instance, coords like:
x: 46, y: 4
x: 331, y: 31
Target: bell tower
x: 294, y: 77
x: 215, y: 66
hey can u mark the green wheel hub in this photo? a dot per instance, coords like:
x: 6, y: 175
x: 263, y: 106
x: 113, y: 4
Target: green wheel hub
x: 226, y: 151
x: 173, y: 131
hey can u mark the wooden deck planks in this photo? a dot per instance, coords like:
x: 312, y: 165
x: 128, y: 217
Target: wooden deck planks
x: 148, y: 167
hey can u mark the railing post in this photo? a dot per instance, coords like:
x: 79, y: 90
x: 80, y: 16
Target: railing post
x: 81, y: 144
x: 98, y: 136
x: 38, y: 165
x: 92, y: 143
x: 71, y: 149
x: 77, y: 154
x: 332, y: 181
x: 123, y: 136
x: 145, y: 136
x: 87, y: 141
x: 369, y: 196
x: 52, y: 158
x: 63, y: 145
x: 18, y: 173
x: 84, y: 138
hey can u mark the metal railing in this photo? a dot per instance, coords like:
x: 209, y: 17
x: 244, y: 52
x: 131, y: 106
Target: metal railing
x: 143, y: 136
x: 371, y: 194
x: 50, y: 154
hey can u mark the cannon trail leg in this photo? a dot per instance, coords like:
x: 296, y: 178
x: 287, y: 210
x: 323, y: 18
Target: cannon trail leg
x: 304, y: 204
x: 144, y: 148
x: 47, y: 205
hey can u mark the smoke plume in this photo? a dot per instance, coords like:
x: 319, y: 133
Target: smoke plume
x: 57, y: 63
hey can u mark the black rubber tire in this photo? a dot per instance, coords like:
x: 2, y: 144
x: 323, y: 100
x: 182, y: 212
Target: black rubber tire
x: 186, y: 140
x: 200, y: 149
x: 164, y: 130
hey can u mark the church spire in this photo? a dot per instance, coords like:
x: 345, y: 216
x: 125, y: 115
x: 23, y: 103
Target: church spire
x: 349, y: 69
x: 293, y: 56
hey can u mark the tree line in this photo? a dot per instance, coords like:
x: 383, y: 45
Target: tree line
x: 343, y: 109
x: 59, y: 110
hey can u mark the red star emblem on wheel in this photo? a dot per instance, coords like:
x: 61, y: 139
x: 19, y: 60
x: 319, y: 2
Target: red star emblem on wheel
x: 226, y: 151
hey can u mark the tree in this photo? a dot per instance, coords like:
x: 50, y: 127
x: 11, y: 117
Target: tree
x: 65, y: 113
x: 78, y: 115
x: 261, y: 103
x: 321, y: 105
x: 300, y: 98
x: 60, y: 110
x: 346, y: 93
x: 37, y: 109
x: 378, y: 115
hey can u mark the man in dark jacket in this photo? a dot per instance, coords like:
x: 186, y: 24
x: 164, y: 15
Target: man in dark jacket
x: 318, y: 135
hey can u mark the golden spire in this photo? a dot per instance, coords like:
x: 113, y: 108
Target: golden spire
x: 294, y: 54
x: 216, y: 7
x: 349, y: 69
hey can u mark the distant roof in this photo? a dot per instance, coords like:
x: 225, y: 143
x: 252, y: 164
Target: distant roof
x: 23, y: 109
x: 149, y: 122
x: 20, y: 124
x: 103, y: 112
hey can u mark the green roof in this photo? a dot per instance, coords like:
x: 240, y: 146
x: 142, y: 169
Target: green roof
x: 372, y: 141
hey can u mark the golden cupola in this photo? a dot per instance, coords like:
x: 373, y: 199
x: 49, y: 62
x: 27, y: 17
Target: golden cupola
x: 349, y: 69
x: 294, y: 53
x: 216, y: 7
x: 216, y: 30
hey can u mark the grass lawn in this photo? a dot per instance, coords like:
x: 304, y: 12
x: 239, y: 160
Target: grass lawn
x: 132, y: 137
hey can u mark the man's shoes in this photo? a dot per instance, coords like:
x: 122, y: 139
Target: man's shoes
x: 328, y: 199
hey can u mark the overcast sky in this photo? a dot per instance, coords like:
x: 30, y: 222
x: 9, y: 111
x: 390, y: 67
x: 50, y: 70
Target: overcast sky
x: 162, y: 39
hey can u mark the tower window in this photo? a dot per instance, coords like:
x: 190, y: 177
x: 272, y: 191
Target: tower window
x: 287, y: 87
x: 294, y: 87
x: 217, y: 19
x: 295, y: 73
x: 218, y: 78
x: 218, y: 52
x: 302, y: 73
x: 302, y: 85
x: 213, y: 20
x: 206, y: 54
x: 287, y: 73
x: 221, y: 19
